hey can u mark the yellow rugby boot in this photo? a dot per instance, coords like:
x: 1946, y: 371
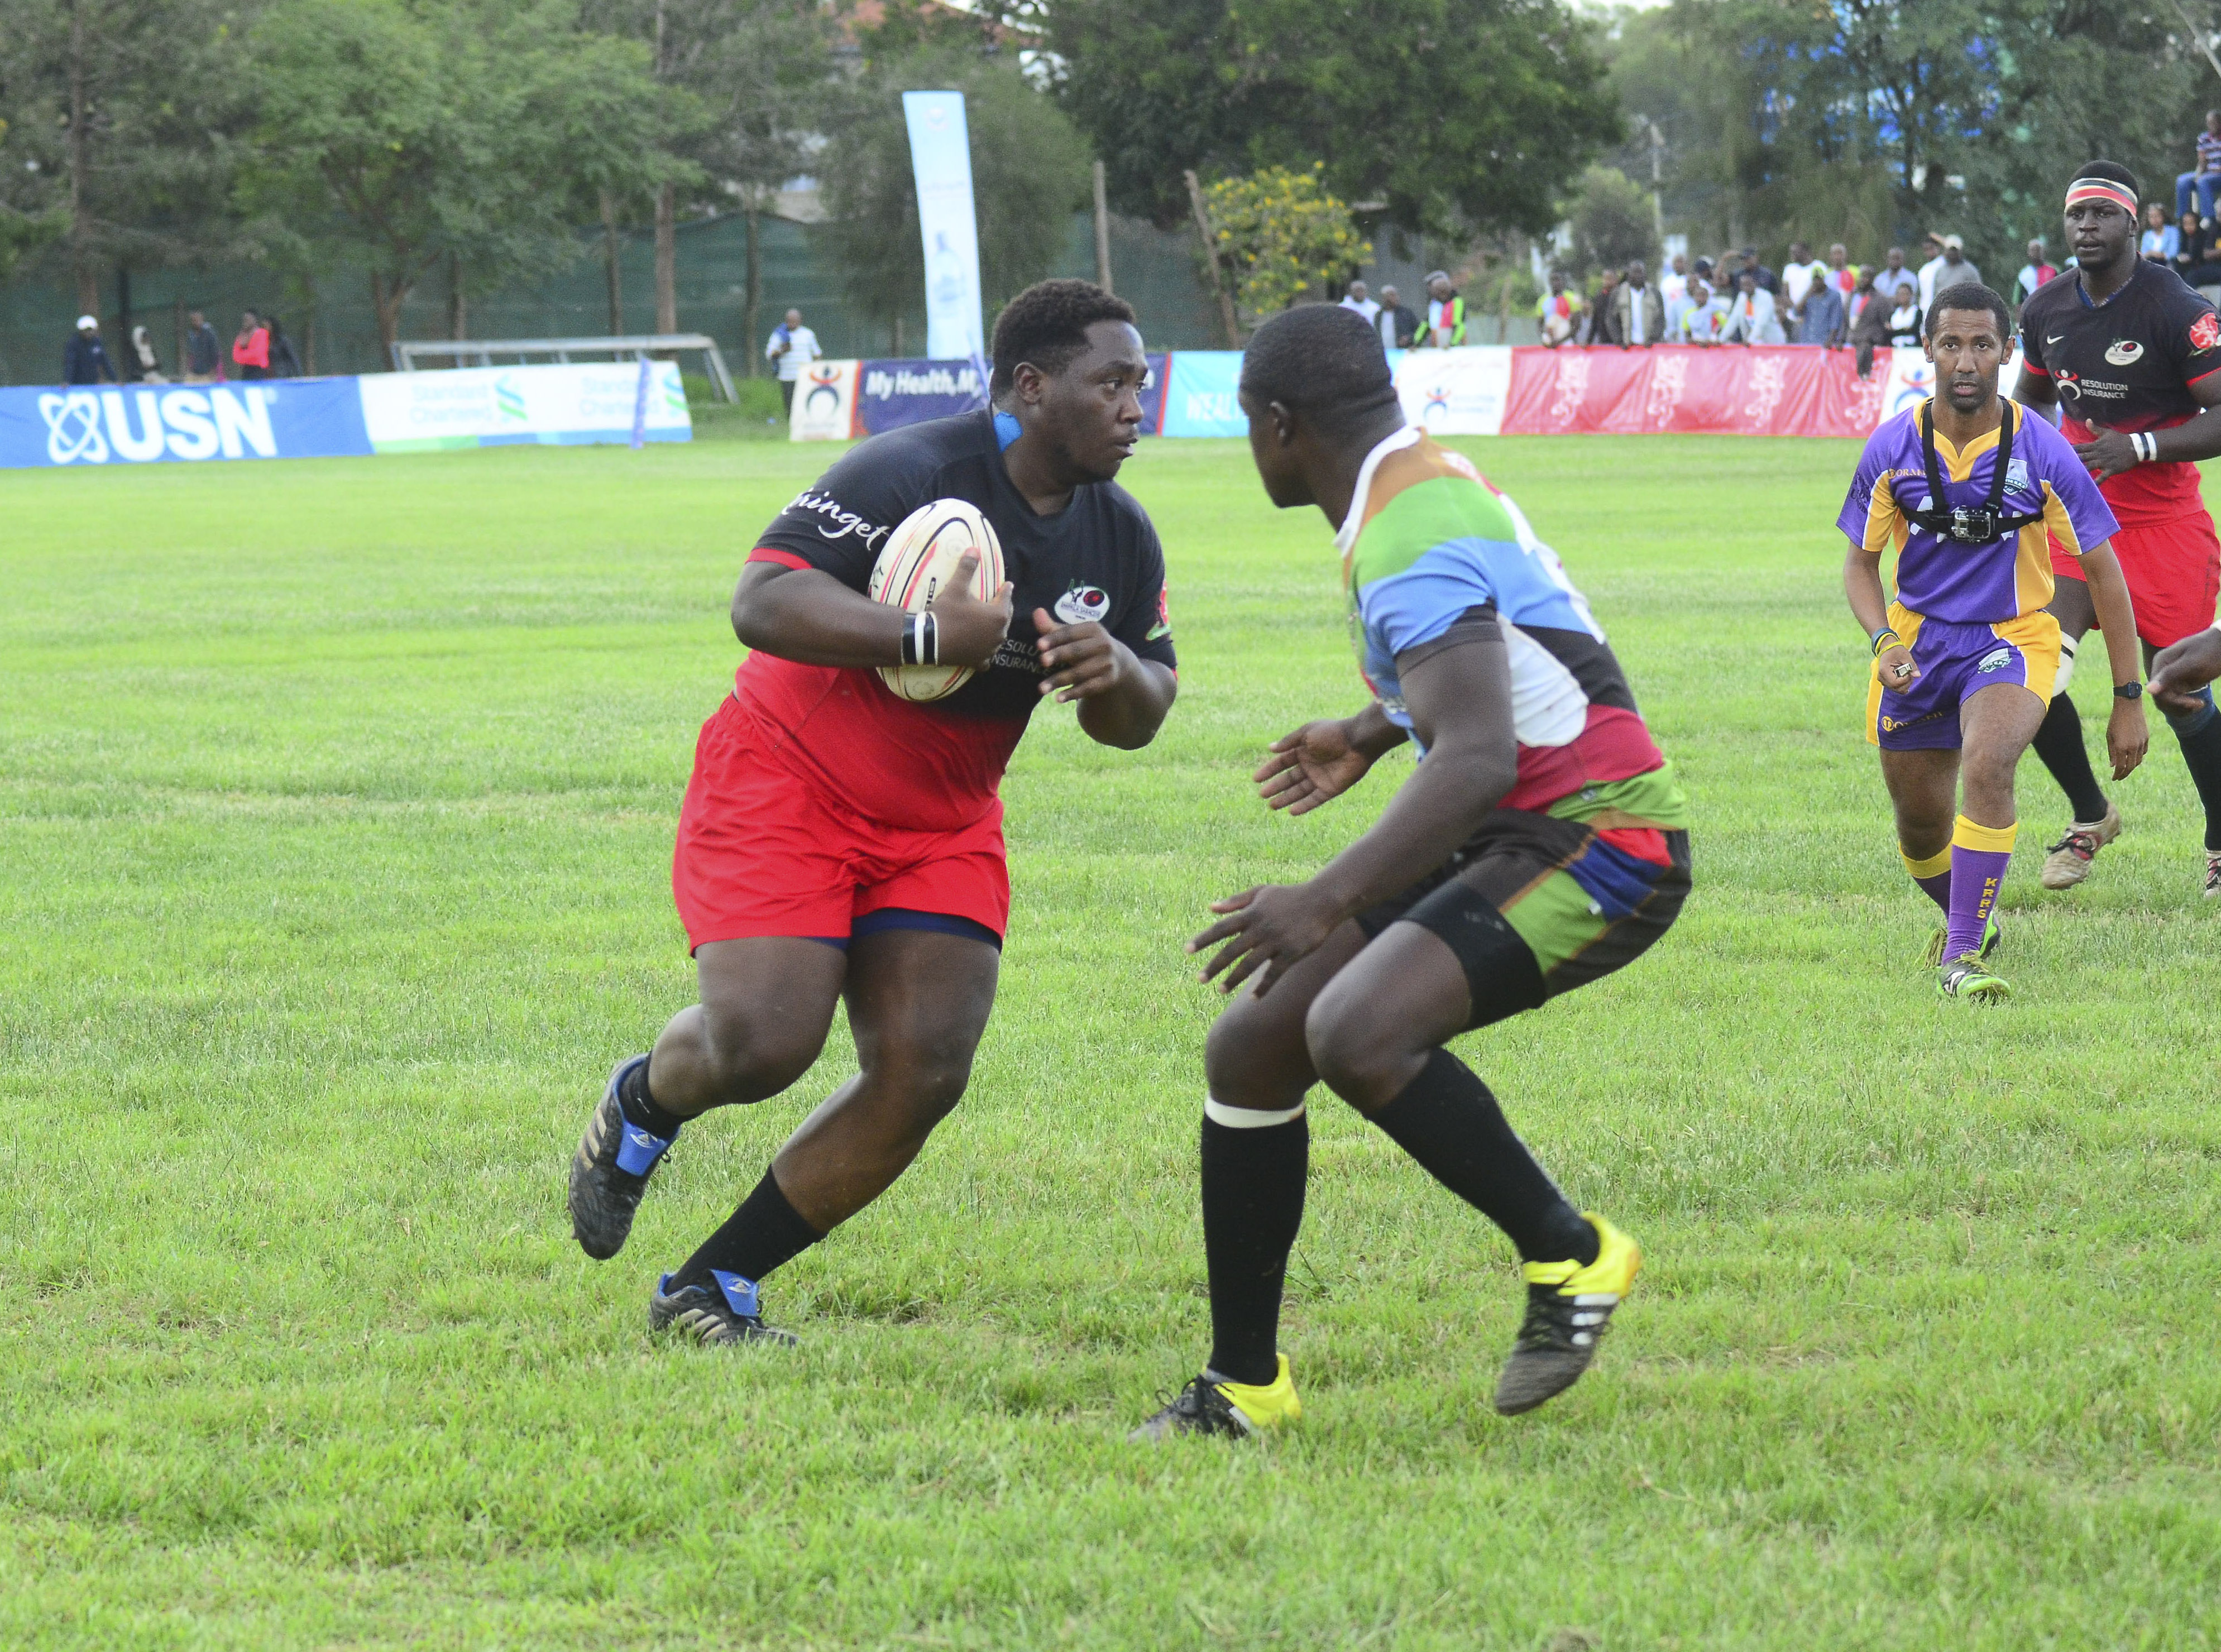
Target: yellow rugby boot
x: 1235, y: 1408
x: 1992, y: 934
x: 1568, y: 1307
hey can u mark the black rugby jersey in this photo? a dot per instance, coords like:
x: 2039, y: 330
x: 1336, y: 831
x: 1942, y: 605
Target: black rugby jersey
x: 937, y: 763
x: 2127, y: 364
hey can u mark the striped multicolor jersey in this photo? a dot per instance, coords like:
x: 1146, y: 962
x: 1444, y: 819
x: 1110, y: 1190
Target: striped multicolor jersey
x: 1428, y: 541
x: 1939, y: 578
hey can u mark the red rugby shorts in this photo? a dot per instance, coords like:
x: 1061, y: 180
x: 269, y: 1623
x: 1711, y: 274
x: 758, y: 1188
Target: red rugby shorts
x: 2173, y: 575
x: 763, y: 851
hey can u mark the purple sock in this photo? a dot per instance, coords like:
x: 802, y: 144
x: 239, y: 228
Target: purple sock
x: 1932, y: 874
x: 1980, y: 855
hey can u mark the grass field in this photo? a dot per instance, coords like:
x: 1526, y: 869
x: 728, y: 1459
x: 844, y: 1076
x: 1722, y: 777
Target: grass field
x: 335, y: 811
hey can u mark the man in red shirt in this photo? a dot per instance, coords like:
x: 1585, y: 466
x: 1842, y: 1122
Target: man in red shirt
x: 838, y: 842
x: 250, y: 350
x: 2131, y: 358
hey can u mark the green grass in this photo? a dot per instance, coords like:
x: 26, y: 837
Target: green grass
x: 335, y: 812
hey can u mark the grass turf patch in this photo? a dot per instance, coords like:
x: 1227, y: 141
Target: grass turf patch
x: 337, y: 800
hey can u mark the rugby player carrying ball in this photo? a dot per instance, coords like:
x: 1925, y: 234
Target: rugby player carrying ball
x: 840, y: 843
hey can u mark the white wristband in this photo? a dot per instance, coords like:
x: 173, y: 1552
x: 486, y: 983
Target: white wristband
x: 2146, y: 446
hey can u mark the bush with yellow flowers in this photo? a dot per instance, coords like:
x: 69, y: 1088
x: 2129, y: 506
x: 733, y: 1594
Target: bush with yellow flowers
x: 1281, y: 235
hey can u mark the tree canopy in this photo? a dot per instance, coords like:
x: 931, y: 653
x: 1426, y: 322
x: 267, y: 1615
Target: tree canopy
x: 1446, y: 112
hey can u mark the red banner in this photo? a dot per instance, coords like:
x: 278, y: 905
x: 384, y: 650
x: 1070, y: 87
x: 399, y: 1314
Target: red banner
x: 1713, y: 389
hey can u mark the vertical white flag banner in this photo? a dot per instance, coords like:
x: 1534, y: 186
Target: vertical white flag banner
x: 941, y: 159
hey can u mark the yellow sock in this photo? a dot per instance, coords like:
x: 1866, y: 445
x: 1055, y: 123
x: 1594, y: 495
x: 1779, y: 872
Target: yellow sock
x: 1992, y: 840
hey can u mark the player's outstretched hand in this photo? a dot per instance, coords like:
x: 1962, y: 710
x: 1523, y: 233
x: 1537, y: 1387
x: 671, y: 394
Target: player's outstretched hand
x: 1307, y: 767
x: 1897, y: 670
x: 2182, y: 669
x: 2108, y: 452
x: 969, y: 630
x: 2127, y: 737
x: 1081, y: 660
x: 1271, y: 928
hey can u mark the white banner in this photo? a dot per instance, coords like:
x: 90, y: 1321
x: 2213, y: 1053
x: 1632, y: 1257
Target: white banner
x: 1458, y: 393
x: 491, y: 407
x: 940, y: 160
x: 825, y: 403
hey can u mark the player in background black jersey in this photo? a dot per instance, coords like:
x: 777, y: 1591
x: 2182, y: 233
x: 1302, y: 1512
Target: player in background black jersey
x: 2131, y: 359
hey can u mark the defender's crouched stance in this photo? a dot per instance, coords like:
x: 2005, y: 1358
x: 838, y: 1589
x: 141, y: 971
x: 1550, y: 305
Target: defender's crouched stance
x: 1967, y: 488
x: 1540, y: 845
x: 839, y: 842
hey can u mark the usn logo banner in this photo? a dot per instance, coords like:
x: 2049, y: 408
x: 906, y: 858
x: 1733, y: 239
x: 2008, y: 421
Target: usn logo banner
x: 142, y: 425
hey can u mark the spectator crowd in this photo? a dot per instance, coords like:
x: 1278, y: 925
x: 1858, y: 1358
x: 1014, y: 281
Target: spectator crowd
x: 1735, y: 298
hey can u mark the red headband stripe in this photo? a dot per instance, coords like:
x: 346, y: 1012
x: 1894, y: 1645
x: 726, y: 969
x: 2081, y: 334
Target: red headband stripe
x: 2102, y: 189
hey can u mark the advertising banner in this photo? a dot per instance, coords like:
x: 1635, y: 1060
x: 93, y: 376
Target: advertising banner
x: 1458, y: 393
x: 941, y: 159
x: 825, y: 403
x: 494, y: 407
x: 142, y: 425
x: 1202, y: 396
x: 837, y: 401
x: 1725, y: 390
x: 892, y: 393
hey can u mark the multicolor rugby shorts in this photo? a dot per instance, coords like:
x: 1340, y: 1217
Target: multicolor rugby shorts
x: 1587, y: 897
x: 1957, y: 660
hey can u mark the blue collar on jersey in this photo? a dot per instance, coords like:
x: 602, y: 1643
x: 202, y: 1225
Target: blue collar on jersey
x: 2088, y: 303
x: 1007, y: 430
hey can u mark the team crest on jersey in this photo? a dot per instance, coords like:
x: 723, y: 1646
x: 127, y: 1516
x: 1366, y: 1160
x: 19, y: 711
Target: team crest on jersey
x: 2121, y: 351
x: 1083, y: 605
x: 2206, y: 331
x: 2016, y: 476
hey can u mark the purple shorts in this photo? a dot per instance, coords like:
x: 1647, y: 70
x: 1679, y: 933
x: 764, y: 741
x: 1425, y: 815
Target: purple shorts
x: 1957, y: 660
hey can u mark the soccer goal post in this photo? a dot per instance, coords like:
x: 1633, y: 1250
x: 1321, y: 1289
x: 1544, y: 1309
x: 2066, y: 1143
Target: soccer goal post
x: 481, y: 352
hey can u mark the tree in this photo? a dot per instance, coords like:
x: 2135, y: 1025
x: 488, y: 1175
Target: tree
x: 1452, y: 114
x: 1613, y: 222
x: 1029, y: 173
x: 1283, y: 236
x: 1868, y: 120
x: 114, y: 116
x: 403, y: 137
x: 758, y: 75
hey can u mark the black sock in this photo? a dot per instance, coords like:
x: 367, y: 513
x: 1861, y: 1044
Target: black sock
x: 1253, y: 1203
x: 1447, y: 1120
x: 2201, y: 751
x: 639, y: 1106
x: 2059, y: 743
x: 764, y: 1233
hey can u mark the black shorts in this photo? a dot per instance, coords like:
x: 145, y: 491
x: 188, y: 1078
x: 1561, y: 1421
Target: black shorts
x: 1535, y: 906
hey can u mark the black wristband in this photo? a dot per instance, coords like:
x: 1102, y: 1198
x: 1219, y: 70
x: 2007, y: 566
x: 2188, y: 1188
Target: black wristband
x: 909, y: 638
x: 2128, y: 690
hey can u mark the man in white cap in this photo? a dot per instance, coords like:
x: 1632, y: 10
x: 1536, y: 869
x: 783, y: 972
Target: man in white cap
x: 85, y: 358
x: 1955, y: 269
x: 1445, y: 312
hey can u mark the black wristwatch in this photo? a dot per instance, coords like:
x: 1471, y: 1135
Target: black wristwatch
x: 2128, y: 690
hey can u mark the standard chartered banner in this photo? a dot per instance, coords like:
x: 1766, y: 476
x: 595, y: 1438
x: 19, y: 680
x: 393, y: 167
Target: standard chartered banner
x: 941, y: 159
x: 494, y: 407
x: 324, y: 418
x: 146, y: 424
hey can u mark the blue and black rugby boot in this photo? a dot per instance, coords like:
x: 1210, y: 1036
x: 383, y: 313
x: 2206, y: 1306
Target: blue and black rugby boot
x: 713, y: 1314
x: 609, y: 1172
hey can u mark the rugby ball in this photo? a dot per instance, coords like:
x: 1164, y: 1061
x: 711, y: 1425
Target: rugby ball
x: 920, y: 559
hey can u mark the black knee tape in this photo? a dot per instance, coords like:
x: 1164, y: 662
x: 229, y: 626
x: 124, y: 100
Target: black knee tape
x: 1501, y: 973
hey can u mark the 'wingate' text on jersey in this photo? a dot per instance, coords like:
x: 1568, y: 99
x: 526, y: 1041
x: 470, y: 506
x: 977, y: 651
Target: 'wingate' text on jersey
x: 937, y: 764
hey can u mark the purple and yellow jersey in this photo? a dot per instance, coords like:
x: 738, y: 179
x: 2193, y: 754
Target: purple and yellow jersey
x: 1973, y: 584
x: 1427, y: 542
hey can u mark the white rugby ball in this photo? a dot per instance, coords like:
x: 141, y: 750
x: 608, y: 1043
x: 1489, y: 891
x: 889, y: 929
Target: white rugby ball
x: 920, y: 557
